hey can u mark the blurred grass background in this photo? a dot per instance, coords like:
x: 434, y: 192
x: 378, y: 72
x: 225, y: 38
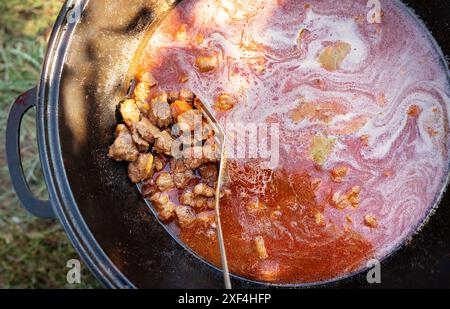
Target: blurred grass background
x: 33, y: 252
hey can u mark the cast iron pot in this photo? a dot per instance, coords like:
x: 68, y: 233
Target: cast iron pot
x: 85, y: 73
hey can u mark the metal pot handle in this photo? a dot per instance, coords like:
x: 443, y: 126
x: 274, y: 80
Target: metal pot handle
x: 38, y: 208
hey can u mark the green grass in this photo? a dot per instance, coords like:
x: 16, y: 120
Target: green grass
x: 33, y: 252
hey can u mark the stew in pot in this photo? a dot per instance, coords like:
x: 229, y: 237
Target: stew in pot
x: 353, y: 104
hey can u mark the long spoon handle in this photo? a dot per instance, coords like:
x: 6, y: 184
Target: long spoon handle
x: 223, y: 254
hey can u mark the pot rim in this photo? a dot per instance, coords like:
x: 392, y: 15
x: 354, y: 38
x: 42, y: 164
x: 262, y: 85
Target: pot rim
x: 60, y: 194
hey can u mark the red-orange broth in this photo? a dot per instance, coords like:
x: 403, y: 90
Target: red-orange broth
x: 363, y: 140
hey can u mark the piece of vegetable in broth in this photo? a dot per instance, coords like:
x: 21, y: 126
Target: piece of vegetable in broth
x: 321, y: 148
x: 333, y: 55
x: 180, y: 107
x: 206, y: 64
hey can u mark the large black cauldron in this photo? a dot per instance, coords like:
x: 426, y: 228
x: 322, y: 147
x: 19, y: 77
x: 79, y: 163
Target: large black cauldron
x: 84, y: 75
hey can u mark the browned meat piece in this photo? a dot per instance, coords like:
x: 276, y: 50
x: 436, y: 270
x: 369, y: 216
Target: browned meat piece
x: 208, y: 172
x: 160, y: 198
x: 123, y: 149
x: 164, y: 181
x: 203, y: 202
x: 173, y: 96
x: 338, y: 173
x: 200, y: 202
x: 204, y: 190
x: 166, y: 211
x: 207, y: 218
x: 130, y: 112
x: 148, y: 79
x: 210, y: 203
x: 160, y: 162
x: 182, y: 179
x: 346, y: 200
x: 261, y: 248
x: 147, y: 130
x: 142, y: 168
x: 208, y: 131
x: 185, y: 215
x: 187, y: 198
x: 182, y: 175
x: 177, y: 165
x: 197, y: 137
x: 141, y: 143
x: 225, y: 102
x: 187, y: 141
x: 193, y: 163
x: 162, y: 203
x: 187, y: 96
x: 193, y: 156
x: 163, y: 144
x: 211, y: 151
x: 149, y: 188
x: 160, y: 113
x: 371, y: 221
x: 184, y: 78
x: 256, y: 205
x: 190, y: 120
x: 225, y: 192
x: 142, y: 92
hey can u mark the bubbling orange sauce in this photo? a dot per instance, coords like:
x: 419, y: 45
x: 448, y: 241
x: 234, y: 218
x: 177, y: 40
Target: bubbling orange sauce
x: 363, y: 111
